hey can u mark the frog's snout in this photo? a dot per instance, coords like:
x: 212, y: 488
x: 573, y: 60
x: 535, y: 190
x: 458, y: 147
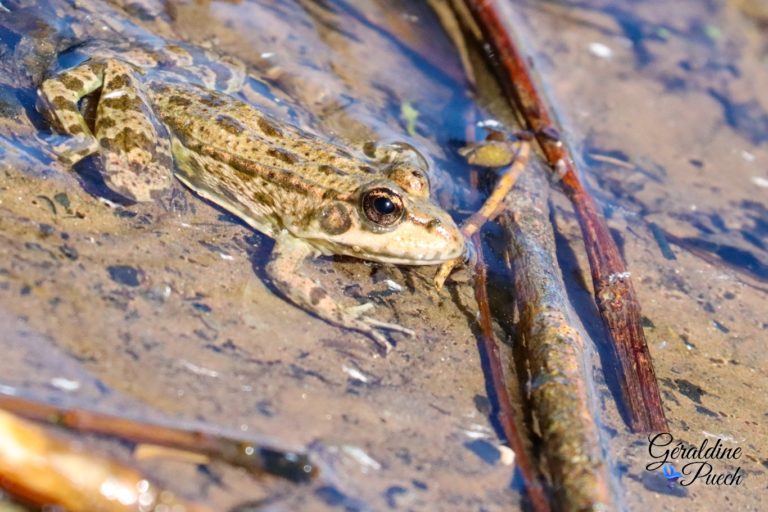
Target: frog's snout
x: 429, y: 236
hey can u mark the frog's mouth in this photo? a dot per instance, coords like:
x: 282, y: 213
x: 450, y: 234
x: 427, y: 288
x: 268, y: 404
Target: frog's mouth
x: 421, y: 256
x: 411, y: 259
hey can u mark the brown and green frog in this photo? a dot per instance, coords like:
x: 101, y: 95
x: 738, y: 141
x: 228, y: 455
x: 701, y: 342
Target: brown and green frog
x: 170, y: 110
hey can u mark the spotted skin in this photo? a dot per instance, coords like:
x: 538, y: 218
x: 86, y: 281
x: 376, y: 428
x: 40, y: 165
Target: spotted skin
x: 165, y: 113
x: 134, y: 147
x: 58, y: 99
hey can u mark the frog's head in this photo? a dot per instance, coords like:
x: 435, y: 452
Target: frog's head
x: 382, y: 222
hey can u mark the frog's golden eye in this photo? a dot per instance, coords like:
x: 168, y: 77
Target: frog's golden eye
x: 383, y: 206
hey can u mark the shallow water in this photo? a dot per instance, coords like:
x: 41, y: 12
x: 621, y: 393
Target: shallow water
x: 165, y: 313
x: 665, y: 103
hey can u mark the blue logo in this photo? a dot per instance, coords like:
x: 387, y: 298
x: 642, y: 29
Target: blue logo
x: 671, y: 474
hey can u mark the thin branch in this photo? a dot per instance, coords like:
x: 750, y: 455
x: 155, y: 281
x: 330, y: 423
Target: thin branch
x: 47, y: 472
x: 492, y: 207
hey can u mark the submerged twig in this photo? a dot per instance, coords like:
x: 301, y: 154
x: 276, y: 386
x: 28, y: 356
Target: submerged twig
x: 240, y: 452
x: 555, y: 353
x: 492, y: 206
x: 614, y: 294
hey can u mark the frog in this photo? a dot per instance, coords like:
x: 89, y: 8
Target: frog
x: 170, y: 111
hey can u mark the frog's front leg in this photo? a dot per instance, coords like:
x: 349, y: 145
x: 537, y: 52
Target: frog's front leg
x: 285, y: 270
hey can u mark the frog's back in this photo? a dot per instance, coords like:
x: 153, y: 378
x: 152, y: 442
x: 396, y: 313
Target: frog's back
x: 242, y: 156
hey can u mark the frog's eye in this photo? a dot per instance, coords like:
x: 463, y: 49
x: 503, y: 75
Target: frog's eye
x: 383, y: 206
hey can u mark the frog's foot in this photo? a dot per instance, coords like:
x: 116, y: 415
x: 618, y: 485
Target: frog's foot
x: 372, y: 327
x: 285, y: 270
x: 176, y: 201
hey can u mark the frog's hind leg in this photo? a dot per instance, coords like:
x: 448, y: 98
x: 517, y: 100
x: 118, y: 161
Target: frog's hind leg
x: 135, y: 147
x: 57, y: 100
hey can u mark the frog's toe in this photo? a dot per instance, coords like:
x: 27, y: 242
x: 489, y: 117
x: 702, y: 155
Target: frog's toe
x: 357, y: 311
x: 373, y: 328
x: 382, y: 342
x: 176, y: 201
x: 378, y: 324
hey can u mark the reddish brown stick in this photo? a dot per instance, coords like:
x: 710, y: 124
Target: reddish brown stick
x: 536, y: 494
x: 614, y: 293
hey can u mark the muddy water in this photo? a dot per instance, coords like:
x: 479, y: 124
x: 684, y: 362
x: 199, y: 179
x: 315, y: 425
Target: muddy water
x: 163, y: 312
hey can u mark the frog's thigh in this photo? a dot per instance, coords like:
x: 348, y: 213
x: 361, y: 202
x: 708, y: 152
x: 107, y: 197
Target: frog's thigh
x: 57, y: 100
x: 135, y: 147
